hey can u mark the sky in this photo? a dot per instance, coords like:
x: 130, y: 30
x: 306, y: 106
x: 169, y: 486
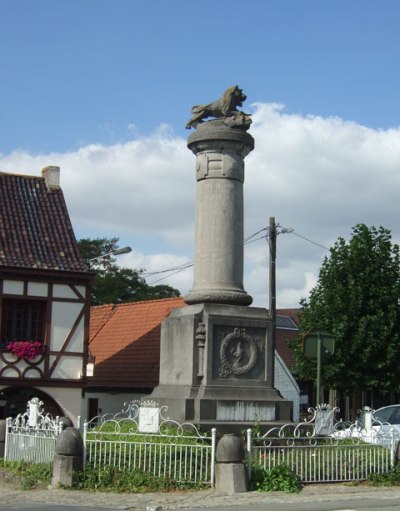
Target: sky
x: 103, y: 89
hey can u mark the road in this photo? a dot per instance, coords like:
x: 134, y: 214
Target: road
x: 331, y: 497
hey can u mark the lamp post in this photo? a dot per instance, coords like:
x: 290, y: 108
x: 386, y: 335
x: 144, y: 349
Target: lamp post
x: 118, y: 251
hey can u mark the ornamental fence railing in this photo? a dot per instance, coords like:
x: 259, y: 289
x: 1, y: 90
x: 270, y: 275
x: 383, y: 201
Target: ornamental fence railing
x: 143, y: 438
x: 322, y: 449
x: 31, y: 436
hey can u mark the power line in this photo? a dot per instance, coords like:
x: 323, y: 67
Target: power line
x: 310, y: 241
x: 250, y: 239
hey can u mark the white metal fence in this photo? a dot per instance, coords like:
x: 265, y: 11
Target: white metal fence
x: 31, y: 436
x: 318, y: 450
x: 141, y: 438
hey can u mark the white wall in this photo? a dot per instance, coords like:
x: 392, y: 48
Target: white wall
x: 69, y: 400
x: 287, y: 385
x: 109, y: 402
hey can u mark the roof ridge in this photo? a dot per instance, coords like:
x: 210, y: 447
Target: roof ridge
x: 14, y: 174
x: 169, y: 299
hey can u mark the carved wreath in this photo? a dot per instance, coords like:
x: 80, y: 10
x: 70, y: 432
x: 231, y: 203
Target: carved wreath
x: 238, y: 353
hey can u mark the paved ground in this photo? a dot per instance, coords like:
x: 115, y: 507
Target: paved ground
x: 324, y: 493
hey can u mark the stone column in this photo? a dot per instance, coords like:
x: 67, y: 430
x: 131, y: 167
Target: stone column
x: 218, y: 269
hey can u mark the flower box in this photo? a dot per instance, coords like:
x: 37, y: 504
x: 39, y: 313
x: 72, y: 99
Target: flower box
x: 27, y: 350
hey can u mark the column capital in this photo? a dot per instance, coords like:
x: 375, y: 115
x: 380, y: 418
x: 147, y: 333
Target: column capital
x: 217, y: 136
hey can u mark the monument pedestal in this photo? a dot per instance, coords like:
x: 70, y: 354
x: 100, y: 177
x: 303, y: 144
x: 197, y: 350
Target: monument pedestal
x: 216, y: 365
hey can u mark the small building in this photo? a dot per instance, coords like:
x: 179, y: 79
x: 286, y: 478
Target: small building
x: 125, y: 347
x: 44, y: 298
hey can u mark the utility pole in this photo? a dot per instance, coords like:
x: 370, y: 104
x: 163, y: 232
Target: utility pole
x: 272, y: 233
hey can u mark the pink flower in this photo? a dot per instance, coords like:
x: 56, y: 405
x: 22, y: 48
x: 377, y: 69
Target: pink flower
x: 25, y: 349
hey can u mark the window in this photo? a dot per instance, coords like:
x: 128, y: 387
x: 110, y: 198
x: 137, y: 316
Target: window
x: 22, y: 320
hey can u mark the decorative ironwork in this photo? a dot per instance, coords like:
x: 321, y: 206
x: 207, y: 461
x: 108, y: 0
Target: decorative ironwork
x: 31, y: 436
x: 325, y: 449
x: 174, y: 449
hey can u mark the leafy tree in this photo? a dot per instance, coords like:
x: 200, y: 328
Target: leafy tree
x: 113, y: 284
x: 357, y: 299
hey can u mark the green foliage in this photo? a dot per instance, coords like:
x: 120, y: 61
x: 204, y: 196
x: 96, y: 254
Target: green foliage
x: 113, y: 284
x: 357, y: 300
x: 121, y: 480
x: 121, y: 445
x: 391, y: 478
x: 126, y: 430
x: 278, y: 478
x: 27, y: 475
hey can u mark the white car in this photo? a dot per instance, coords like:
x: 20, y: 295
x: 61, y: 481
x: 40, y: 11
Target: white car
x: 380, y: 427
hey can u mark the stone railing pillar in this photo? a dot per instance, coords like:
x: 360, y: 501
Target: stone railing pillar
x: 230, y: 471
x: 68, y: 457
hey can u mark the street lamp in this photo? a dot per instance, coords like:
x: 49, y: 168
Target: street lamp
x: 118, y: 251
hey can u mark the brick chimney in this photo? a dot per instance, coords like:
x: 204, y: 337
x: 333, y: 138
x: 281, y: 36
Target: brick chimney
x: 51, y: 176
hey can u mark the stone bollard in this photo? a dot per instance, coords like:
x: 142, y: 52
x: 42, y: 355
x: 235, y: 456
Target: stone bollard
x: 230, y: 472
x: 2, y: 437
x: 68, y: 458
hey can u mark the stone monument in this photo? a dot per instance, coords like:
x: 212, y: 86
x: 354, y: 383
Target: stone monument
x: 216, y: 359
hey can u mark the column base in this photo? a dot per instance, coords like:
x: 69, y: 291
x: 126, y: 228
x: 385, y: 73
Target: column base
x: 220, y: 296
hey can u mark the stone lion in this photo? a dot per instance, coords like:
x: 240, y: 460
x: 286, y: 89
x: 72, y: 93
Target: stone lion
x: 225, y: 107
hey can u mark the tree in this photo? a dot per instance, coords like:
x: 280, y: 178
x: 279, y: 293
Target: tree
x: 357, y: 299
x: 113, y: 284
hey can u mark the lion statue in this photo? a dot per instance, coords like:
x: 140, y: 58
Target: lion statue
x: 225, y: 108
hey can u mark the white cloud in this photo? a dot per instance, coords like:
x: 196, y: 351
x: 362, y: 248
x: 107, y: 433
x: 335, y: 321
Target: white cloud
x: 320, y: 176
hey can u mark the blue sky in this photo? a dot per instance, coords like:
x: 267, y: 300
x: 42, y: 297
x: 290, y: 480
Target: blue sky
x: 108, y: 84
x: 77, y: 72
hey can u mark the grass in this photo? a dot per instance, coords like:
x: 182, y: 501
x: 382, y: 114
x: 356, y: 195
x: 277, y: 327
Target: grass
x: 30, y: 476
x: 24, y: 475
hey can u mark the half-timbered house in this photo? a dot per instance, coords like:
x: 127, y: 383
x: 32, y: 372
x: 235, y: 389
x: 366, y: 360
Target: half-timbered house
x: 44, y: 298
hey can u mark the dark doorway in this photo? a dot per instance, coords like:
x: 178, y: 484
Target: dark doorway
x: 13, y: 400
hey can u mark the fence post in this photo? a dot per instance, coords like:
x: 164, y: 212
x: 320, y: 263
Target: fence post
x: 248, y: 449
x: 3, y: 429
x: 8, y: 426
x: 68, y: 458
x: 85, y: 430
x: 230, y: 469
x: 213, y: 448
x: 393, y: 446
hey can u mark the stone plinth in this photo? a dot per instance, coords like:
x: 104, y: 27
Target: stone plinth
x: 215, y: 365
x: 218, y: 267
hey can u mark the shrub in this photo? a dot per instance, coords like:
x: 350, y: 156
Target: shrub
x: 278, y: 478
x: 391, y: 478
x: 27, y: 475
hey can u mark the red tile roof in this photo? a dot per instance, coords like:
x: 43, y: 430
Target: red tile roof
x: 35, y: 229
x: 125, y: 339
